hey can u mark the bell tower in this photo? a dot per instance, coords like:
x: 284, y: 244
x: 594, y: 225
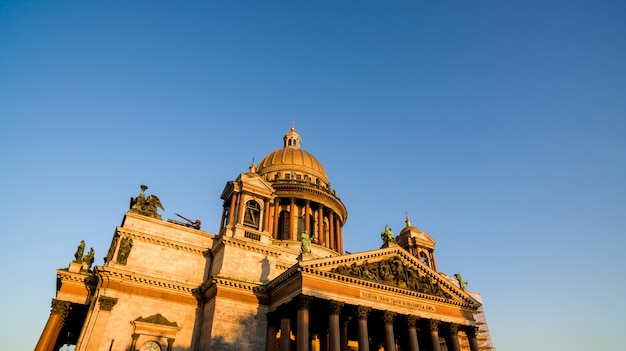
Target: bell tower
x: 418, y: 243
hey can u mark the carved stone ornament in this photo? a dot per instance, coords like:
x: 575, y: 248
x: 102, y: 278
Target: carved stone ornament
x: 335, y: 307
x: 393, y: 272
x: 126, y: 245
x: 303, y: 301
x: 60, y: 307
x: 146, y: 206
x: 389, y: 317
x: 434, y: 324
x: 157, y: 319
x: 411, y: 320
x: 107, y: 303
x: 363, y: 312
x: 454, y: 328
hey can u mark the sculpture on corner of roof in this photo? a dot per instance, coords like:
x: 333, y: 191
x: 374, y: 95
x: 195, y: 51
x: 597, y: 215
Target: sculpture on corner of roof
x: 89, y: 257
x: 387, y: 236
x: 78, y: 255
x: 147, y: 206
x: 462, y: 283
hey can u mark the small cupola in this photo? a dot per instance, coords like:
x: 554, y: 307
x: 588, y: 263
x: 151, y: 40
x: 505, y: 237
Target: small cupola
x: 418, y: 244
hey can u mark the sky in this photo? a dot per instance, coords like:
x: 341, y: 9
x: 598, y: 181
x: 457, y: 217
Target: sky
x: 498, y: 126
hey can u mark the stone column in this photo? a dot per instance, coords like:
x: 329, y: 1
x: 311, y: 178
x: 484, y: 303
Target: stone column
x: 101, y: 316
x: 275, y: 233
x: 241, y: 207
x: 390, y: 341
x: 362, y: 313
x: 293, y: 225
x: 471, y: 337
x: 434, y: 334
x: 320, y: 225
x: 133, y: 343
x: 285, y: 332
x: 334, y: 341
x: 170, y: 343
x: 412, y: 333
x: 231, y: 210
x: 50, y: 333
x: 331, y: 224
x: 307, y: 218
x: 344, y: 334
x: 339, y: 237
x: 270, y: 338
x: 302, y: 334
x: 223, y: 218
x: 266, y: 217
x: 453, y: 338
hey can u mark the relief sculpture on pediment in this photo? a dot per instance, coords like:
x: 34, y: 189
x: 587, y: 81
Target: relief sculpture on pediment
x: 393, y: 272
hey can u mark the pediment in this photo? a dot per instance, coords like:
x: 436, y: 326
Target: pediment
x: 253, y: 180
x: 390, y: 267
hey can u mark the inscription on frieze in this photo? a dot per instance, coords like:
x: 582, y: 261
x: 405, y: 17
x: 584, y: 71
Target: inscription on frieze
x: 400, y: 302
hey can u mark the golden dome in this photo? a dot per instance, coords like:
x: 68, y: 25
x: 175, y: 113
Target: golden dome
x: 292, y: 163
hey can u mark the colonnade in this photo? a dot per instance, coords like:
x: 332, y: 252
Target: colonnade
x: 319, y: 221
x: 338, y: 322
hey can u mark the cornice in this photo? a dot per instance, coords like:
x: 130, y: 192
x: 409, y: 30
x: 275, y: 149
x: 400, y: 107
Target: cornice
x: 153, y: 239
x: 107, y: 274
x: 242, y: 244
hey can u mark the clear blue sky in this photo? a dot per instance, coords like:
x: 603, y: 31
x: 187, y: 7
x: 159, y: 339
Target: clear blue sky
x: 499, y: 126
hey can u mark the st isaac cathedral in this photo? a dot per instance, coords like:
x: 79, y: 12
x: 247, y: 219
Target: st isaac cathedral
x: 274, y: 277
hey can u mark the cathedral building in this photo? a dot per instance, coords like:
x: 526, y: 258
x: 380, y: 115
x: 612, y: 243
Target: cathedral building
x: 274, y: 277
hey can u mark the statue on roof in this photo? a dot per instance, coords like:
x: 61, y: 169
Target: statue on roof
x: 462, y: 283
x: 387, y: 236
x: 146, y: 206
x: 78, y: 255
x: 89, y: 257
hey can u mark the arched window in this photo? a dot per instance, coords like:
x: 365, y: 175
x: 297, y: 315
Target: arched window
x: 424, y: 258
x: 252, y: 214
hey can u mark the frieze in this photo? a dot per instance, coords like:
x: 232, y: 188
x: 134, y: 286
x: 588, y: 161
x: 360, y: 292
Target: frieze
x: 393, y: 272
x: 400, y: 302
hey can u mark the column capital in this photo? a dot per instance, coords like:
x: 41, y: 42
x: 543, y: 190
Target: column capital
x: 303, y: 301
x: 389, y: 317
x: 471, y: 331
x: 60, y: 307
x: 135, y: 336
x: 363, y: 312
x: 434, y: 324
x: 411, y: 320
x: 454, y: 328
x: 107, y: 303
x: 335, y: 307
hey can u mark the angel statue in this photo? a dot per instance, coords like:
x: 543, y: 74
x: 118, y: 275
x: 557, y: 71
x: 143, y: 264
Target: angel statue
x: 146, y: 206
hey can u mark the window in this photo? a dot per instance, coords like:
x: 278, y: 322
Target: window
x: 252, y: 214
x: 150, y: 346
